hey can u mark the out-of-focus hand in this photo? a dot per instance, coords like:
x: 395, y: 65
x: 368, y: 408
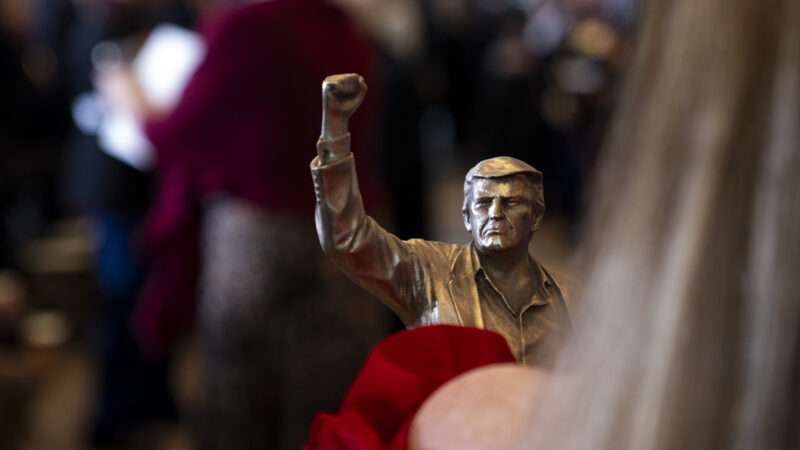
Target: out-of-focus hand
x: 120, y: 91
x: 467, y: 411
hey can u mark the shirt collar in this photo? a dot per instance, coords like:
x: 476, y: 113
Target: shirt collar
x: 547, y: 282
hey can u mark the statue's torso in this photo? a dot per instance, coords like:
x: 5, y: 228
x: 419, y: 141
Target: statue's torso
x: 449, y: 287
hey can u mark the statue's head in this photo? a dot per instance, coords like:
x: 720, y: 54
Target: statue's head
x: 503, y: 203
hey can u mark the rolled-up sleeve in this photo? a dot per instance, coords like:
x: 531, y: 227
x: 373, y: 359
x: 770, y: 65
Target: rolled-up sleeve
x: 375, y: 259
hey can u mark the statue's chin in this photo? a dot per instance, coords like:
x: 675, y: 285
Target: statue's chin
x: 493, y: 244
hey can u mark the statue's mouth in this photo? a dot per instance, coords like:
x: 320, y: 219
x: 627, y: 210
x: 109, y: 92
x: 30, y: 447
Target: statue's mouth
x: 499, y: 229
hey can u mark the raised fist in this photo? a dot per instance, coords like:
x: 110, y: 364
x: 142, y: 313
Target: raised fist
x: 342, y: 94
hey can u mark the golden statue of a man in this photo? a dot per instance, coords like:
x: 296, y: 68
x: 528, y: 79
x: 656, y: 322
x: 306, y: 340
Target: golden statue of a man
x: 492, y: 282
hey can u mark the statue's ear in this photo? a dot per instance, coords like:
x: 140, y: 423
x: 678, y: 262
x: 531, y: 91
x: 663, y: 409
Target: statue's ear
x: 537, y: 220
x: 467, y: 224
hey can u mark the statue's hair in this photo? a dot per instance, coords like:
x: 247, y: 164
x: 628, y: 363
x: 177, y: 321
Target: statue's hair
x: 505, y: 167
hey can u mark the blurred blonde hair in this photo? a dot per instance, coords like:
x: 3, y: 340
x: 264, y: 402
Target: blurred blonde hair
x: 689, y: 332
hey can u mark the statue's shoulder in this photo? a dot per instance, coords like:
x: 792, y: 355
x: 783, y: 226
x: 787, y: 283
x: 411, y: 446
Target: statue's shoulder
x: 442, y: 252
x: 565, y: 283
x: 561, y: 279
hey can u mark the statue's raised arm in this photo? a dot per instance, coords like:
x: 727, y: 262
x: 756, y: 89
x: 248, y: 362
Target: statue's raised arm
x: 374, y: 258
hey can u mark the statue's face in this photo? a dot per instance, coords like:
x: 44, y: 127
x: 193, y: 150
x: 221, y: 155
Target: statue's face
x: 501, y: 213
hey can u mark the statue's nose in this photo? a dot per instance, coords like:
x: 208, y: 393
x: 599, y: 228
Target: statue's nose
x: 496, y: 209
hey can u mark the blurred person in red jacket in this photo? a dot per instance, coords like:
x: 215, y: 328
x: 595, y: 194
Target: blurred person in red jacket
x: 234, y: 216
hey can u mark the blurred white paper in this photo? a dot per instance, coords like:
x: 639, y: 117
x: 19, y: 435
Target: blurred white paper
x: 121, y: 136
x: 165, y: 63
x: 163, y: 67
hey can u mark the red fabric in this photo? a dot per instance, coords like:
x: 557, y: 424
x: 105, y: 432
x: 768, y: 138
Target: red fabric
x: 246, y: 126
x: 400, y: 373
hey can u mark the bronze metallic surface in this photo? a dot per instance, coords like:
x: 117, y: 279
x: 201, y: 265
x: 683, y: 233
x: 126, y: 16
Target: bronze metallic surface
x: 492, y: 282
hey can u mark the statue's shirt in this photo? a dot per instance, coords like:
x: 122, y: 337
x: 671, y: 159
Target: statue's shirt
x: 428, y: 282
x: 536, y: 331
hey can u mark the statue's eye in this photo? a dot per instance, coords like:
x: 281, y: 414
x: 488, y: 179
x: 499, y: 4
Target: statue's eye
x: 482, y: 203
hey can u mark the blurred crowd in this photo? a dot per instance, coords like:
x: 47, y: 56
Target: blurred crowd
x: 195, y: 200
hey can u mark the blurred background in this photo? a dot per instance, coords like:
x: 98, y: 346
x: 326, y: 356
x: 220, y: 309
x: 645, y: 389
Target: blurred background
x: 453, y: 82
